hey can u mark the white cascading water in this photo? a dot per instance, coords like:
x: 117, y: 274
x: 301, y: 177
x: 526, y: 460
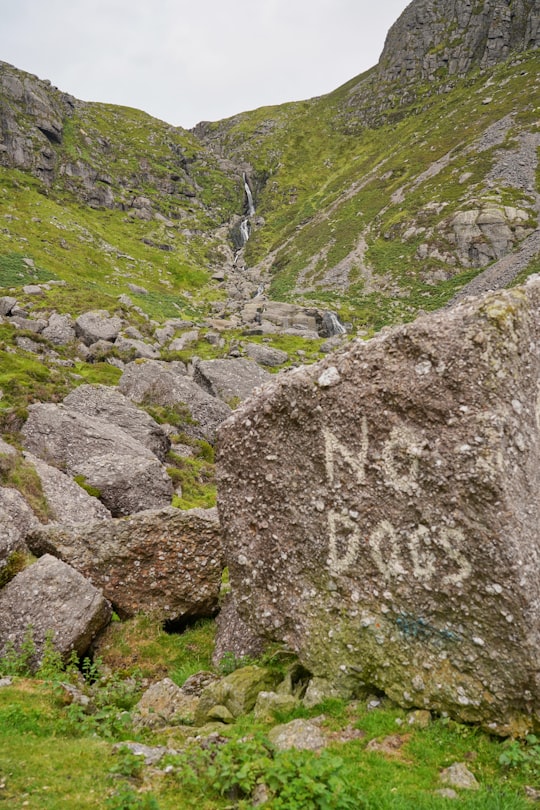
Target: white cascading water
x: 244, y: 230
x: 249, y: 196
x: 244, y: 225
x: 337, y: 326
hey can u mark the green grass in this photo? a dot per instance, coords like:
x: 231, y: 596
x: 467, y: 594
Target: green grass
x: 53, y: 755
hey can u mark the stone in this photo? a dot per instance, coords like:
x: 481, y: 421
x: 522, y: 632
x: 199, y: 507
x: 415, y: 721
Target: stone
x: 319, y: 690
x: 107, y: 403
x: 185, y: 340
x: 389, y: 746
x: 97, y: 325
x: 128, y: 476
x: 166, y: 561
x: 33, y: 289
x: 459, y: 776
x: 268, y: 703
x: 36, y: 325
x: 152, y: 754
x: 135, y: 288
x: 68, y: 502
x: 136, y: 348
x: 7, y: 449
x: 126, y: 483
x: 237, y: 692
x: 304, y: 735
x: 446, y: 793
x: 266, y: 355
x: 166, y: 384
x: 53, y: 599
x: 60, y: 329
x: 98, y: 351
x: 164, y: 704
x: 7, y: 302
x: 231, y: 380
x: 391, y: 540
x: 234, y: 636
x: 16, y: 520
x: 419, y: 718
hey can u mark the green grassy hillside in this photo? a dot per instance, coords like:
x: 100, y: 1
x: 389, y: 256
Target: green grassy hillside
x: 347, y: 207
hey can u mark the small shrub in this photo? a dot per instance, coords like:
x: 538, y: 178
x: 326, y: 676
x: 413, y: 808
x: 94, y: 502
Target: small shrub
x: 15, y: 563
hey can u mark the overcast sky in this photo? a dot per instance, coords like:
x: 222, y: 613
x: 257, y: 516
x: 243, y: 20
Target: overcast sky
x: 190, y: 60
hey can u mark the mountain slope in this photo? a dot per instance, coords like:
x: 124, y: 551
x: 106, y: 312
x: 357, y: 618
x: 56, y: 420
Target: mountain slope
x: 385, y: 219
x: 382, y: 198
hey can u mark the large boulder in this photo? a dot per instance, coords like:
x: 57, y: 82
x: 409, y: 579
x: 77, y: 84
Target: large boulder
x: 109, y: 404
x: 166, y: 384
x: 16, y: 520
x: 60, y: 329
x: 51, y: 598
x: 126, y: 483
x: 232, y: 379
x: 68, y: 502
x: 126, y: 474
x: 380, y: 512
x: 167, y: 562
x: 97, y: 325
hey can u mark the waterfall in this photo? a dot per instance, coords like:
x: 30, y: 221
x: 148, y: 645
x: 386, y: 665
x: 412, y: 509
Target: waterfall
x: 244, y: 231
x: 333, y: 325
x: 249, y: 196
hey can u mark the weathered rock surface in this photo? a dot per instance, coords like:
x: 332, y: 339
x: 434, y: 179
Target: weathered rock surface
x: 97, y: 325
x: 127, y: 474
x: 303, y: 735
x: 167, y: 561
x: 423, y: 40
x: 231, y: 380
x: 167, y: 384
x: 234, y: 636
x: 236, y: 693
x: 109, y: 404
x: 392, y: 538
x: 164, y: 704
x: 51, y: 597
x: 266, y: 355
x: 136, y: 348
x: 68, y: 502
x: 60, y: 329
x: 16, y: 520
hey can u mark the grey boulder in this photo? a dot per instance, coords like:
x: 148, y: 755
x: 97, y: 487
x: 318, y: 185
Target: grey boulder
x: 128, y: 475
x: 97, y: 325
x: 108, y: 404
x: 69, y: 503
x: 51, y: 599
x: 231, y: 380
x: 380, y: 512
x: 166, y: 384
x: 165, y: 561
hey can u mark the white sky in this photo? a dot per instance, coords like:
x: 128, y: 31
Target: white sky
x: 190, y: 60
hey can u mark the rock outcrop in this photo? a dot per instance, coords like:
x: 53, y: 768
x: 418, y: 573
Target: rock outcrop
x: 167, y: 562
x: 51, y: 598
x: 380, y: 512
x: 456, y: 35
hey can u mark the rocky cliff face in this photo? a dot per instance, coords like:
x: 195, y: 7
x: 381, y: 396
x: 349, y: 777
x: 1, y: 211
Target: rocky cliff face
x: 32, y: 115
x: 451, y: 36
